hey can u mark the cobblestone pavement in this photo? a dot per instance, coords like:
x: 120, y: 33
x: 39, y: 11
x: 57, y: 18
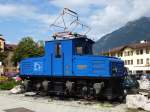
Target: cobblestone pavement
x: 46, y: 104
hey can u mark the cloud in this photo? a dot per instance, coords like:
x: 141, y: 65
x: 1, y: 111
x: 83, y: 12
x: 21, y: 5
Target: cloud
x: 105, y: 16
x: 28, y: 14
x: 77, y: 3
x: 25, y: 12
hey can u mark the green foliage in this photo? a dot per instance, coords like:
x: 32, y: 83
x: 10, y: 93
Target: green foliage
x: 27, y: 47
x: 9, y: 84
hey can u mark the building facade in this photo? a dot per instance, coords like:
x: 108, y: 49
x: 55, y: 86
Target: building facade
x: 135, y: 56
x: 2, y: 43
x: 7, y: 65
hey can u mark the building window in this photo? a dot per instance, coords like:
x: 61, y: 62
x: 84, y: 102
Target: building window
x: 147, y: 61
x: 141, y: 51
x: 58, y: 50
x: 128, y: 62
x: 128, y: 53
x: 138, y: 61
x: 125, y: 53
x: 120, y: 55
x: 137, y: 52
x: 131, y: 62
x: 79, y: 50
x: 141, y: 61
x: 131, y: 53
x: 147, y: 51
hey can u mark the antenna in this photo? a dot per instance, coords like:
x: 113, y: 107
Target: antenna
x: 66, y: 23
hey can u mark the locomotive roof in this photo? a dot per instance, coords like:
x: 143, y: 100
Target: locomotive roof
x: 74, y: 39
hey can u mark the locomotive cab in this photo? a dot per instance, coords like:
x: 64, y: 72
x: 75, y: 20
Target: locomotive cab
x: 59, y: 54
x: 83, y: 46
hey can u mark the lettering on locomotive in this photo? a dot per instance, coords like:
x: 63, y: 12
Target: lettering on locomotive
x: 81, y: 67
x: 38, y: 66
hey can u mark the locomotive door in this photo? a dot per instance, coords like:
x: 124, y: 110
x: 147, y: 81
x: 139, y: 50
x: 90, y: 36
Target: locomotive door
x: 57, y: 60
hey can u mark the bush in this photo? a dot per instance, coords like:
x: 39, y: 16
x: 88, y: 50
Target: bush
x: 9, y: 84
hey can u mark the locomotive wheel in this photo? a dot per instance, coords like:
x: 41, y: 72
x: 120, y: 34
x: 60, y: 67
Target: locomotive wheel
x: 45, y: 85
x: 38, y: 86
x: 121, y: 98
x: 91, y: 93
x: 26, y: 85
x: 84, y: 92
x: 69, y: 91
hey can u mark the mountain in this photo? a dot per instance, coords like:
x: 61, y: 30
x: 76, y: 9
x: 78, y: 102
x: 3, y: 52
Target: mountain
x: 132, y: 32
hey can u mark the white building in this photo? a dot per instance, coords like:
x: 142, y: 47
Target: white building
x: 136, y: 56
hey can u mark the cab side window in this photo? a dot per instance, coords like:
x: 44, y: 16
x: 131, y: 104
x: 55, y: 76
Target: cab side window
x: 79, y: 50
x: 58, y: 49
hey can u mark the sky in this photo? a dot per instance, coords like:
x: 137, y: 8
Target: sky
x: 22, y: 18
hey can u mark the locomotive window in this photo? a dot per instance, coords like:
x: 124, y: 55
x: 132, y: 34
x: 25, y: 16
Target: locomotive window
x: 58, y: 50
x: 79, y: 50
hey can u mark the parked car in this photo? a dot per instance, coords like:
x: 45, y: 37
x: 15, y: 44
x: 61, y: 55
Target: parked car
x: 147, y: 76
x: 130, y: 85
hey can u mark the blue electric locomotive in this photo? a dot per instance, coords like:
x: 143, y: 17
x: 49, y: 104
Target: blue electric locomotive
x: 69, y: 67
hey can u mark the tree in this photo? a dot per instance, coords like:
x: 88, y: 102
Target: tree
x: 40, y: 44
x: 27, y: 47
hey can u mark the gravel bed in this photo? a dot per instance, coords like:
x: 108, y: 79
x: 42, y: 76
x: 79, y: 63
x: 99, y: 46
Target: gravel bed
x: 49, y: 104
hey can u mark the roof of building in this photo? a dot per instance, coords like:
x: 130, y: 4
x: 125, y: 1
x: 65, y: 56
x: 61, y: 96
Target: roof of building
x: 1, y: 38
x: 133, y: 46
x: 10, y: 46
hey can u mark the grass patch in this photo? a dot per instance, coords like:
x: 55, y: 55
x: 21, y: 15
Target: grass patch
x: 9, y: 84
